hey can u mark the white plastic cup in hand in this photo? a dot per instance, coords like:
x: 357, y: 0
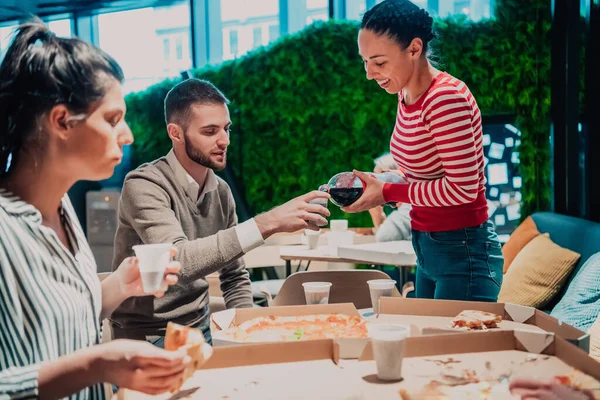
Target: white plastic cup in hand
x: 338, y: 225
x: 312, y: 238
x: 389, y: 343
x: 380, y: 288
x: 153, y: 260
x: 317, y: 292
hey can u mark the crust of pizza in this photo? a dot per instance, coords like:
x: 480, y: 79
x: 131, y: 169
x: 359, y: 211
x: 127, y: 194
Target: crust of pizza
x: 178, y: 336
x: 476, y: 320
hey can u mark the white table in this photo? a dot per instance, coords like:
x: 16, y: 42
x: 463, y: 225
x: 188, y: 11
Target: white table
x: 399, y: 253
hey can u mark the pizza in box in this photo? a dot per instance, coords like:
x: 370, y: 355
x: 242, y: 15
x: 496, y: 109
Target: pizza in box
x: 475, y: 320
x: 273, y: 328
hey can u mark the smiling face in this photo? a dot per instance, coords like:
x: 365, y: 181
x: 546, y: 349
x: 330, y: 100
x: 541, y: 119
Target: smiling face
x: 386, y: 62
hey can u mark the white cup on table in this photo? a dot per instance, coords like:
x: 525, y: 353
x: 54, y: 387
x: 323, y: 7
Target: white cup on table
x: 317, y: 292
x: 312, y: 238
x: 380, y: 288
x: 389, y: 344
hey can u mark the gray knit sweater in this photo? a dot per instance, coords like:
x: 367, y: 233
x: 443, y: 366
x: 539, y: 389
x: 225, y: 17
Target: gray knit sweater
x: 154, y: 208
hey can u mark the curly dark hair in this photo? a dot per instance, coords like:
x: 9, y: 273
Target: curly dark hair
x: 401, y: 20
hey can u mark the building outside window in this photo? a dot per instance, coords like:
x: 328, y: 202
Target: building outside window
x: 150, y: 44
x: 255, y: 23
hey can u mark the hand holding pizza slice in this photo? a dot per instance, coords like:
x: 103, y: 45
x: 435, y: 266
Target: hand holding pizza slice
x: 179, y: 336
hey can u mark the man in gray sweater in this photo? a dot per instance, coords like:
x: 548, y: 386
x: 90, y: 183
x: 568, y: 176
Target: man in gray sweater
x: 179, y: 199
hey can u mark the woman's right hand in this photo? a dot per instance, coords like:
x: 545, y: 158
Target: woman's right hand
x: 139, y: 366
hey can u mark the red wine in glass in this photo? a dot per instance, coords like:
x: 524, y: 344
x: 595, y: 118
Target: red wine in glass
x: 343, y: 197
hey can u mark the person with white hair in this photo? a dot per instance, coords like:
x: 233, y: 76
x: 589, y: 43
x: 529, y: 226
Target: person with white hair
x: 395, y: 226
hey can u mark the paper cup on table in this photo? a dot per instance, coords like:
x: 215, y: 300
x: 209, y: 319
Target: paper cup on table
x: 337, y: 239
x: 153, y: 260
x: 338, y: 225
x: 312, y: 238
x: 389, y: 343
x: 316, y: 292
x: 380, y: 288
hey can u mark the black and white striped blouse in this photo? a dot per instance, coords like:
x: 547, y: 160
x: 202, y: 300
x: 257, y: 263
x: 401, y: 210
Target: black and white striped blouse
x: 50, y: 299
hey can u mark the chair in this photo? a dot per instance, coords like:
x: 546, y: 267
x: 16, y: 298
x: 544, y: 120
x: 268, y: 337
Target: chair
x: 347, y: 287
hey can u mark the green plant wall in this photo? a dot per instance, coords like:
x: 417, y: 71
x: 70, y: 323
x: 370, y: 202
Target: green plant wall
x: 303, y: 110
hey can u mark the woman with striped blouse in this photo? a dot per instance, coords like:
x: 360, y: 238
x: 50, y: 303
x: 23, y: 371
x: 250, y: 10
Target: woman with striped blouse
x: 62, y: 120
x: 437, y: 141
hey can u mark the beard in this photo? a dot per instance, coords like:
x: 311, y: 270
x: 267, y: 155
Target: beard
x: 200, y: 158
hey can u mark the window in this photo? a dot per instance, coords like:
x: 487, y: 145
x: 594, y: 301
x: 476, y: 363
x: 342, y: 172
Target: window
x: 355, y: 9
x: 317, y: 10
x: 248, y: 20
x: 273, y: 33
x: 166, y: 48
x: 462, y: 7
x: 233, y: 42
x: 473, y: 9
x: 503, y: 187
x: 158, y: 47
x: 179, y: 48
x: 6, y: 33
x: 61, y: 27
x: 257, y: 37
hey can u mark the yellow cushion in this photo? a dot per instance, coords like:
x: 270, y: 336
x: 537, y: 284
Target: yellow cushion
x: 595, y: 340
x: 537, y: 273
x: 518, y: 240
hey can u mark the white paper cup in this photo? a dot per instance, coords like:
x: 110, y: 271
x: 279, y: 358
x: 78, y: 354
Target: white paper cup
x: 317, y: 292
x: 337, y: 239
x: 312, y: 238
x: 389, y: 342
x: 153, y: 260
x: 338, y: 225
x: 380, y: 288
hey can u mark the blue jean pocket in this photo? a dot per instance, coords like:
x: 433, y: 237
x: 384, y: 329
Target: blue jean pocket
x: 495, y: 261
x: 451, y: 238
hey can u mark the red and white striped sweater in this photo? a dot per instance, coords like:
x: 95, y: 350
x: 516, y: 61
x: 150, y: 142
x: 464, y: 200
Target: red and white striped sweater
x: 438, y: 141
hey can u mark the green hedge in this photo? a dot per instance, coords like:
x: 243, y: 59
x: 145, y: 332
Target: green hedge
x: 303, y: 110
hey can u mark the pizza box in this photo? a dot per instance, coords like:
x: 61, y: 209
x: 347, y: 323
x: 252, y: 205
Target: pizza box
x: 312, y: 369
x: 222, y: 320
x: 434, y: 316
x: 493, y: 358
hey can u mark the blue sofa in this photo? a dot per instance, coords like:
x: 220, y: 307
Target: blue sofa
x: 579, y: 235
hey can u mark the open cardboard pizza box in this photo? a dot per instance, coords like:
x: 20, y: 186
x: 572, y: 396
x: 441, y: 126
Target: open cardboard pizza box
x: 311, y: 369
x: 435, y: 316
x: 220, y: 321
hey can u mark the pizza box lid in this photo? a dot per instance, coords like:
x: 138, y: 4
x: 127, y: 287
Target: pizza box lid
x: 515, y: 317
x: 312, y: 369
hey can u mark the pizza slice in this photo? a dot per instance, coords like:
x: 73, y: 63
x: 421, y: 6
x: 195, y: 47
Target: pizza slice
x: 192, y: 339
x: 477, y: 320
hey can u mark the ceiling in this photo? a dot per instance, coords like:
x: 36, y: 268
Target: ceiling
x: 12, y: 10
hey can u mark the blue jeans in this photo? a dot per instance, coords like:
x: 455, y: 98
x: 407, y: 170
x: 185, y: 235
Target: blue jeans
x: 465, y: 264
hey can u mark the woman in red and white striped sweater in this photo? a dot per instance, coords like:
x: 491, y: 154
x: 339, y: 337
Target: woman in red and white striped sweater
x: 437, y: 140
